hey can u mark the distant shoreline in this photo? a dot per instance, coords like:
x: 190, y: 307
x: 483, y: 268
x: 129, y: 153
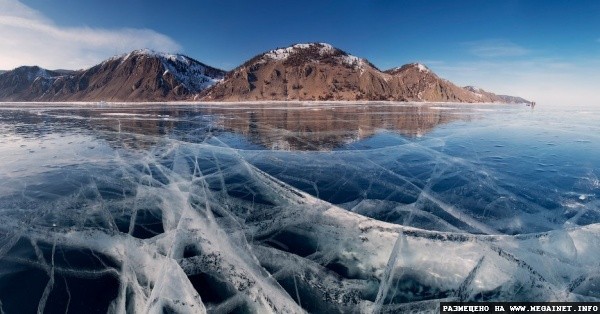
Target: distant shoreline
x: 257, y: 102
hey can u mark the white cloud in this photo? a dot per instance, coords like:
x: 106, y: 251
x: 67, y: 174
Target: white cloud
x: 29, y: 38
x: 549, y: 81
x: 492, y: 48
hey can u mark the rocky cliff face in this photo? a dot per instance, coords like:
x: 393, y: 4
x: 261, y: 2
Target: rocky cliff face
x: 142, y: 75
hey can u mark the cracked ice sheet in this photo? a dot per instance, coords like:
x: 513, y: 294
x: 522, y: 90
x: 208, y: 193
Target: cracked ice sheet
x: 195, y: 227
x: 440, y: 191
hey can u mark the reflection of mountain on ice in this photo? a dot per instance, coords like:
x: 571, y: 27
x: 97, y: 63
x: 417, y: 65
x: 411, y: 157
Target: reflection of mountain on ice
x: 274, y: 126
x: 331, y: 127
x: 196, y: 227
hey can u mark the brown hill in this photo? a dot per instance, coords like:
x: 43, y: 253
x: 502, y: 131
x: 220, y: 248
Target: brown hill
x: 416, y: 82
x: 314, y: 71
x: 142, y: 75
x: 318, y: 71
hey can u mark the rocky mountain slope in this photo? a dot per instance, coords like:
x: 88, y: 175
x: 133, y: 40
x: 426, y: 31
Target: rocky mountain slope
x: 416, y: 82
x: 23, y: 83
x: 318, y: 71
x: 142, y: 75
x: 300, y: 72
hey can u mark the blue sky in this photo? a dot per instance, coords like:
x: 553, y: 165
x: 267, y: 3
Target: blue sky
x: 528, y: 48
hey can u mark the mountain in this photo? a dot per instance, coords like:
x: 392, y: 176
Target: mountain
x: 319, y: 71
x: 312, y: 71
x: 142, y: 75
x: 495, y: 98
x: 22, y: 83
x: 416, y: 82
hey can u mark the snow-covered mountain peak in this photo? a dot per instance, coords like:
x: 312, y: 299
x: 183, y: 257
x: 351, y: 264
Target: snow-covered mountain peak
x: 284, y: 53
x: 419, y: 66
x: 422, y: 68
x: 161, y: 55
x: 149, y: 53
x: 313, y: 52
x: 193, y: 75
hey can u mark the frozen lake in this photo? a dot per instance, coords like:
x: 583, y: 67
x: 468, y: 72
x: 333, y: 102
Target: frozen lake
x: 296, y: 207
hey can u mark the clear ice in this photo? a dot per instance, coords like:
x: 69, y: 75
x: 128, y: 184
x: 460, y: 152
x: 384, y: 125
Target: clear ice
x: 283, y: 208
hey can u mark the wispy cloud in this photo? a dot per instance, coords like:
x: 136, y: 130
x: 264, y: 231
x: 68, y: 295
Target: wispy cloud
x: 492, y: 48
x: 29, y: 38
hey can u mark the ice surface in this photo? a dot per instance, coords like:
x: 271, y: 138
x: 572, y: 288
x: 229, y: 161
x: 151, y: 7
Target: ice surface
x: 370, y: 209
